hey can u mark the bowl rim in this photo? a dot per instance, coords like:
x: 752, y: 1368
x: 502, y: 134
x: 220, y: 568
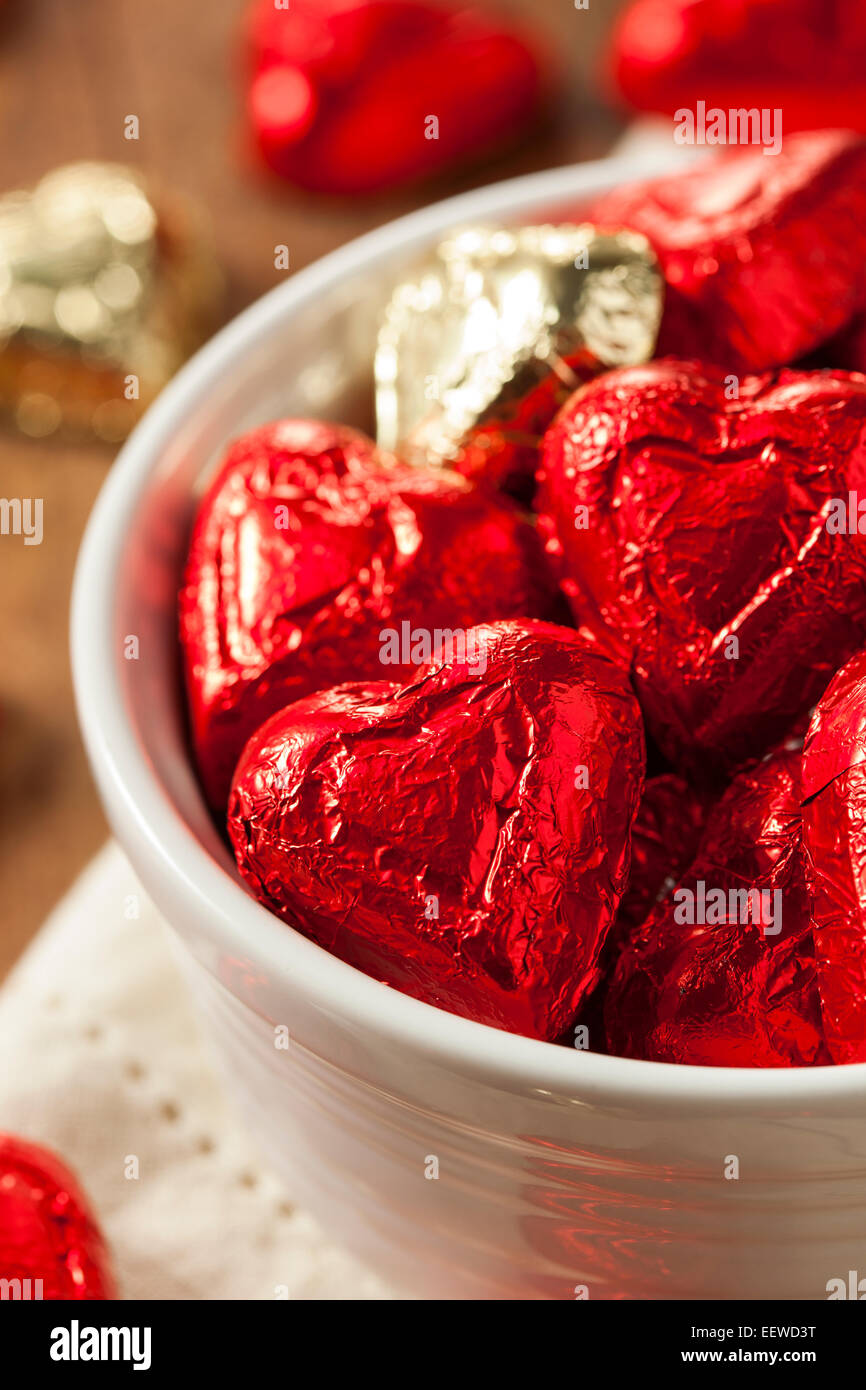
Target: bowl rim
x: 204, y: 889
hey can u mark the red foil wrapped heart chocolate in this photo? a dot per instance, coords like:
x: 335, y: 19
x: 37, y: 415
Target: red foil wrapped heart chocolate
x: 360, y: 95
x: 50, y: 1245
x: 330, y: 39
x: 763, y: 256
x: 464, y: 837
x: 834, y: 815
x: 699, y: 536
x: 806, y: 58
x: 723, y: 972
x: 307, y: 546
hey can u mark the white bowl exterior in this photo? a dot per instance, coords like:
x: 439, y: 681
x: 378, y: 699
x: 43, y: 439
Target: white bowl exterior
x: 558, y: 1171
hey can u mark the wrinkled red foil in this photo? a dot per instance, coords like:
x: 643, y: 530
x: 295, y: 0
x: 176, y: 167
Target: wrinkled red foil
x: 729, y: 993
x: 705, y: 522
x: 306, y: 546
x: 343, y: 93
x: 763, y: 255
x: 47, y: 1232
x: 664, y: 841
x: 806, y: 57
x: 463, y: 838
x: 834, y: 816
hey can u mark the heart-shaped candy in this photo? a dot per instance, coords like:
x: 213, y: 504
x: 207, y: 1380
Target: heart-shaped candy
x: 804, y: 57
x: 50, y: 1245
x: 705, y: 531
x: 763, y: 255
x: 834, y: 816
x: 359, y: 95
x: 331, y: 39
x: 313, y: 561
x: 464, y: 837
x: 723, y: 973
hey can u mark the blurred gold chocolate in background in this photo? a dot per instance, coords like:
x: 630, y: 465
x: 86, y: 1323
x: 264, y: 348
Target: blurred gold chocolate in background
x: 104, y: 291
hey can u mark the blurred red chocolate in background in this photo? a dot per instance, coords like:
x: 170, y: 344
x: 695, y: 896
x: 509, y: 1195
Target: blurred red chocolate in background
x: 48, y: 1235
x: 356, y: 96
x: 805, y: 57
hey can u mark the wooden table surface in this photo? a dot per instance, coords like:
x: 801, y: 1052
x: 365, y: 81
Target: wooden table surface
x: 69, y: 75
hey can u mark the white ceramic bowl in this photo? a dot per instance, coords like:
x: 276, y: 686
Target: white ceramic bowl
x: 558, y: 1170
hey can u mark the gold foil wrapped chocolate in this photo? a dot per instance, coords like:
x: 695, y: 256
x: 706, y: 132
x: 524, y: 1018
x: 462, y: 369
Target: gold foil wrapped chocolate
x: 104, y: 291
x: 480, y: 345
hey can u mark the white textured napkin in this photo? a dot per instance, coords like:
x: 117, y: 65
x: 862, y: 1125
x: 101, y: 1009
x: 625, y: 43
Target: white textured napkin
x: 103, y: 1061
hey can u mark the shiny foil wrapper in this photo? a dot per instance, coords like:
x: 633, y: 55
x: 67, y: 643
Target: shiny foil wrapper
x: 737, y: 985
x: 104, y: 291
x: 47, y: 1232
x: 804, y: 57
x: 694, y: 537
x: 834, y: 814
x: 341, y: 94
x: 309, y: 546
x: 463, y: 838
x: 664, y: 840
x: 762, y: 255
x: 481, y: 344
